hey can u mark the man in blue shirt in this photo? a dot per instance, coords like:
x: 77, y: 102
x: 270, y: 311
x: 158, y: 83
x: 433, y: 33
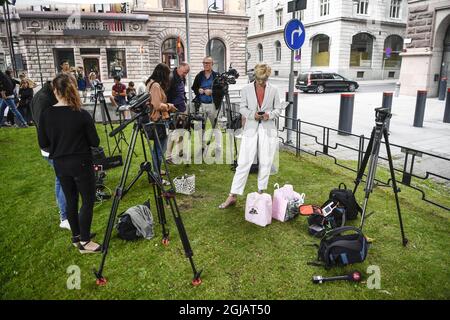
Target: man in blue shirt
x: 202, y: 88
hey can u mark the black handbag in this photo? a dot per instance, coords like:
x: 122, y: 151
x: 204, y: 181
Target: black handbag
x: 342, y: 246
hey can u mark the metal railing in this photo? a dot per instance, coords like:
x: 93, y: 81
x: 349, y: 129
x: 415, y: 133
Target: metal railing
x: 322, y: 144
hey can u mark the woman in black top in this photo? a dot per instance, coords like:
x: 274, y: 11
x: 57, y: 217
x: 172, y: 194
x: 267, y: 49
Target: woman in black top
x: 68, y: 132
x: 25, y: 95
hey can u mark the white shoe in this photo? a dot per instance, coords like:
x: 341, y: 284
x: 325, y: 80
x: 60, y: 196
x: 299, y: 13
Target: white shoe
x: 65, y: 224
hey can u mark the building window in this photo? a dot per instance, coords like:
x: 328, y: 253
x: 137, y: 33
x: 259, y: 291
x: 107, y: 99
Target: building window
x: 393, y: 46
x: 218, y: 53
x: 324, y: 7
x: 171, y: 4
x: 277, y: 51
x: 320, y: 51
x: 172, y: 52
x: 361, y: 50
x: 60, y: 55
x: 299, y: 15
x: 219, y: 4
x: 261, y: 22
x: 99, y: 8
x: 360, y: 74
x: 260, y: 53
x: 395, y: 9
x: 117, y: 64
x: 362, y: 7
x: 279, y: 15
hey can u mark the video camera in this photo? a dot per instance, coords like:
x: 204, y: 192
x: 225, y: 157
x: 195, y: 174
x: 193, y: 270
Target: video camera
x: 139, y: 103
x: 382, y: 115
x: 228, y: 77
x: 98, y: 86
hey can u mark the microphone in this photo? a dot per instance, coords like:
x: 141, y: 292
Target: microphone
x: 354, y: 276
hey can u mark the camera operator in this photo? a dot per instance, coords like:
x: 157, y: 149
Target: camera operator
x: 260, y: 105
x: 118, y: 93
x: 177, y: 96
x: 202, y: 87
x: 157, y: 84
x: 69, y: 133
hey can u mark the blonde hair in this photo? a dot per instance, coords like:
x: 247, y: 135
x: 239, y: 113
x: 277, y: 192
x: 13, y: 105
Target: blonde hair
x: 262, y: 71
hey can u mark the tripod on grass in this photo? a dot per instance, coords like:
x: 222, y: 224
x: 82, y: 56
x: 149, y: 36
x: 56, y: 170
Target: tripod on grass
x: 146, y: 129
x: 99, y: 99
x: 382, y: 115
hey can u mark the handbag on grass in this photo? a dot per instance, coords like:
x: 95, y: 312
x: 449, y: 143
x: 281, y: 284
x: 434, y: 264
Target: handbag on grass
x: 185, y: 184
x: 258, y: 208
x: 286, y: 202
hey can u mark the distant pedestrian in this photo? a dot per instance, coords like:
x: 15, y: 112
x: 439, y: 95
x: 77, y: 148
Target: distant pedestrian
x: 25, y: 96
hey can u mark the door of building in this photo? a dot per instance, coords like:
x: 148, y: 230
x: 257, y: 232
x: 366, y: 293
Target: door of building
x: 92, y: 65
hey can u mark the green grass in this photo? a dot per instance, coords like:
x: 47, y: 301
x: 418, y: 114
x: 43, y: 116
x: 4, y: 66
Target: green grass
x: 239, y: 260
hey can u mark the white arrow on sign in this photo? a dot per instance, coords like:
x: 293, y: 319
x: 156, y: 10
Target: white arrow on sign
x: 299, y: 32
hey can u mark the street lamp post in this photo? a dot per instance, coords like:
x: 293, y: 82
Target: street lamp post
x: 214, y: 8
x: 35, y: 30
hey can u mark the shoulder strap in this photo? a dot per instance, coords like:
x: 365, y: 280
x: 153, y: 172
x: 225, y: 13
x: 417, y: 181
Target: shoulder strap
x: 340, y: 230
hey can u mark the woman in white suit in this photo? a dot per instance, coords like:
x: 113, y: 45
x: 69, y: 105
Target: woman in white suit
x: 260, y: 105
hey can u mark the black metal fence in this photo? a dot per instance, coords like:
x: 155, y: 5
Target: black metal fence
x: 318, y: 140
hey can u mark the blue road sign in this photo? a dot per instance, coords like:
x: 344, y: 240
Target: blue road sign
x: 294, y: 34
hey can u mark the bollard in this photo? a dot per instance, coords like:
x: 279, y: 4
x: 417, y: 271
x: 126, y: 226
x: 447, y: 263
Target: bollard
x: 291, y: 112
x: 420, y: 108
x: 397, y: 89
x: 447, y: 108
x: 346, y: 113
x: 442, y: 88
x: 387, y: 103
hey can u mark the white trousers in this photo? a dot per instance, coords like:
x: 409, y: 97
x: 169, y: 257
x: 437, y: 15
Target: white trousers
x: 265, y: 143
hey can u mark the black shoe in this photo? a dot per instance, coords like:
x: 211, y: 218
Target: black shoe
x: 76, y: 239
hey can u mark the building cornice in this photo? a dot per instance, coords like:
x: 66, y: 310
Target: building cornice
x: 83, y: 15
x: 179, y: 14
x: 346, y: 19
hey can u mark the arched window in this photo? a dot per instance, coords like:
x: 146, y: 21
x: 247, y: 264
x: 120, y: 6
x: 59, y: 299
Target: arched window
x: 277, y: 51
x: 172, y: 52
x: 218, y: 53
x: 393, y: 45
x: 320, y: 51
x: 260, y: 53
x: 361, y: 50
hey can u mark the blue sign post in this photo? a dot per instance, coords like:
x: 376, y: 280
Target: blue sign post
x: 294, y: 34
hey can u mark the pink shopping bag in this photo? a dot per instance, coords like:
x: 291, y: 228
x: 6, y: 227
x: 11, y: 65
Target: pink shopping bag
x: 281, y: 198
x: 258, y: 208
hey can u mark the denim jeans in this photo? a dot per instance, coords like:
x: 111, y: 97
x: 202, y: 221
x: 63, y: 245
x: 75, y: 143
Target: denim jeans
x: 60, y: 198
x: 9, y: 102
x: 157, y: 152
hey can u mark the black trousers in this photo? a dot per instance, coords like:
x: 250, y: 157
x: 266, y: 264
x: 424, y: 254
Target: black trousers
x: 77, y: 178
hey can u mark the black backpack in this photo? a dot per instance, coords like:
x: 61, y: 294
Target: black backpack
x: 345, y: 198
x: 338, y: 249
x: 125, y: 228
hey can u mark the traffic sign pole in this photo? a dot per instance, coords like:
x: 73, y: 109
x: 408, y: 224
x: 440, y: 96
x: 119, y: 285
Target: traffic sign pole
x: 290, y: 94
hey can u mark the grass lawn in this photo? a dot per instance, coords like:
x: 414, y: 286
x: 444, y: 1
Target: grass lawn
x: 239, y: 260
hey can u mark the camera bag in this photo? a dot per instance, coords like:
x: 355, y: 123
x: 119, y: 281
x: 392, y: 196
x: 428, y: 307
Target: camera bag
x: 345, y: 198
x: 339, y: 249
x: 319, y: 223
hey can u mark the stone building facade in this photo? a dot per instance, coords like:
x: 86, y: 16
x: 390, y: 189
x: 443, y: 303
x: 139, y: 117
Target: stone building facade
x: 427, y: 56
x: 127, y: 41
x: 347, y: 37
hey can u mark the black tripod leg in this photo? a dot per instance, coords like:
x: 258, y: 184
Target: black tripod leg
x: 161, y: 213
x: 394, y: 185
x: 365, y: 161
x: 184, y: 239
x: 115, y: 206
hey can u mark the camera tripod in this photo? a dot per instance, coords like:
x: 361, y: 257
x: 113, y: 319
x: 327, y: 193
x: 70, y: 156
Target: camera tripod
x: 159, y: 190
x: 371, y: 155
x: 99, y: 99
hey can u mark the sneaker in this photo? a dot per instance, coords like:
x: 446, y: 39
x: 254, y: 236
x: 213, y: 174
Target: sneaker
x: 65, y: 224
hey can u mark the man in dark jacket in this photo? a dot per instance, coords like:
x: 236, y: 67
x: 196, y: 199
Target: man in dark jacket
x: 177, y: 96
x: 42, y: 100
x: 7, y: 99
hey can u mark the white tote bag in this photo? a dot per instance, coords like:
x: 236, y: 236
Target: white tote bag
x: 258, y: 208
x: 185, y: 184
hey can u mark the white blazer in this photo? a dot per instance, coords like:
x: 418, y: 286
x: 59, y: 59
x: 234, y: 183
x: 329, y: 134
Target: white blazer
x: 249, y: 107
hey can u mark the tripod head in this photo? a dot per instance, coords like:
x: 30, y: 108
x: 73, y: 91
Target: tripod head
x: 382, y: 115
x: 139, y: 106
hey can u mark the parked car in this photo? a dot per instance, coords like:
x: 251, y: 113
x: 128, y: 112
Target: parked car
x: 320, y: 82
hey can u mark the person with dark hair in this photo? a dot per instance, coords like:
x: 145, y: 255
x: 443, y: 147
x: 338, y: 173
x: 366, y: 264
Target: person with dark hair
x: 131, y: 91
x: 69, y: 133
x: 65, y: 66
x: 7, y: 99
x: 41, y: 101
x: 157, y: 85
x: 118, y: 93
x: 82, y: 82
x: 25, y: 95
